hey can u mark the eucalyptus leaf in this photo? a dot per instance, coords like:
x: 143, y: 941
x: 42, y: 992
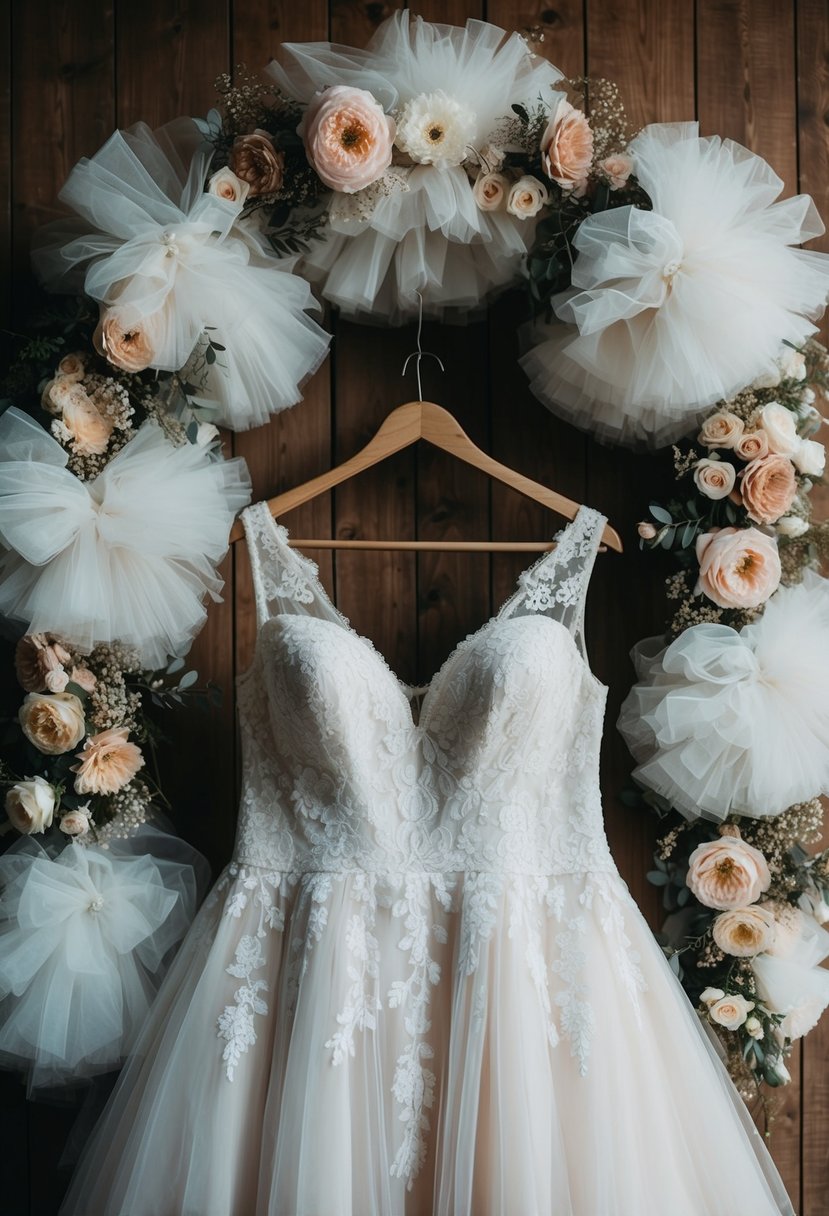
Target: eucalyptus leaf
x: 188, y: 680
x: 657, y: 878
x: 174, y: 666
x: 660, y: 514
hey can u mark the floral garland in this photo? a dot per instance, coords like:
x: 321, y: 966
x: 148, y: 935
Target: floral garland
x: 745, y: 899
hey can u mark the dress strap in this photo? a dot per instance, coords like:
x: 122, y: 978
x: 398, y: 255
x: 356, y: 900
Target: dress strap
x: 283, y: 580
x: 557, y: 584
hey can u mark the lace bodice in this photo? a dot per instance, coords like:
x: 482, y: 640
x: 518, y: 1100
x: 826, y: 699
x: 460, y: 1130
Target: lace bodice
x: 498, y: 773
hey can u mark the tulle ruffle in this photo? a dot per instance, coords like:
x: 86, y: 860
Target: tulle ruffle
x: 674, y: 309
x: 166, y: 256
x: 726, y: 722
x: 330, y: 1070
x: 790, y: 978
x: 128, y: 556
x: 85, y: 936
x: 426, y: 233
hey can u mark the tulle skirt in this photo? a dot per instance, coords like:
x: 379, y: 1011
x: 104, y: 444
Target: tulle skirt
x: 354, y: 1045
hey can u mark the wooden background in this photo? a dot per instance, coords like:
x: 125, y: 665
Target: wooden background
x: 755, y: 70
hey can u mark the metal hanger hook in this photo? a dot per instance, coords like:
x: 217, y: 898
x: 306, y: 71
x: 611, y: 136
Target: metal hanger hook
x: 418, y: 354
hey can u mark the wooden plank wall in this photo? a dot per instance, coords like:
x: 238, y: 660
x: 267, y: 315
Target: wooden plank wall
x: 755, y: 70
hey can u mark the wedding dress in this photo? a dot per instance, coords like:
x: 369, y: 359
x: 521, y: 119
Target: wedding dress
x: 421, y: 985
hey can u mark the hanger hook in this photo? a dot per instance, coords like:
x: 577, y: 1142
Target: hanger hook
x: 418, y: 354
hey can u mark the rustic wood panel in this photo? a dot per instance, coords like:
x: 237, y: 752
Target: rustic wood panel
x: 812, y: 27
x: 761, y: 69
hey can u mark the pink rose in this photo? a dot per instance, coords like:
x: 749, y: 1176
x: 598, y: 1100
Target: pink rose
x: 721, y: 430
x: 753, y: 445
x: 738, y: 567
x: 348, y: 139
x: 567, y: 146
x: 768, y: 487
x: 714, y: 478
x: 727, y: 873
x: 617, y: 169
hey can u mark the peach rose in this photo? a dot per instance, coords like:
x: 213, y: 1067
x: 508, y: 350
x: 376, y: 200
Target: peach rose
x: 714, y: 478
x: 490, y: 191
x: 348, y: 138
x: 129, y: 347
x: 54, y: 722
x: 30, y: 805
x: 780, y: 427
x: 567, y: 146
x: 646, y: 530
x: 225, y: 184
x: 738, y: 567
x: 38, y: 657
x: 617, y: 169
x: 744, y: 932
x: 527, y: 197
x: 753, y: 445
x: 730, y: 1011
x: 721, y: 430
x: 727, y: 873
x: 768, y: 487
x: 107, y: 762
x: 89, y: 429
x: 255, y: 160
x: 84, y: 678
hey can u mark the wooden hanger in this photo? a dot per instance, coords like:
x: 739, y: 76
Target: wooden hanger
x: 404, y: 426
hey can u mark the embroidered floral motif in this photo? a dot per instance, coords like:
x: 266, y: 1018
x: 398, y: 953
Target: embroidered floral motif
x: 577, y: 1017
x: 363, y: 998
x: 236, y: 1024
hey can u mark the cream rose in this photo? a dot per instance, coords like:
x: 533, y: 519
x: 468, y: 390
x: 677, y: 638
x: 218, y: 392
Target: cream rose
x: 730, y: 1011
x: 567, y: 146
x: 490, y: 191
x: 738, y: 567
x: 727, y: 873
x: 744, y: 932
x: 72, y: 367
x: 348, y: 138
x: 646, y: 530
x: 752, y: 445
x: 792, y: 364
x: 710, y: 995
x: 754, y: 1027
x: 768, y: 487
x: 225, y: 184
x: 130, y: 347
x: 792, y: 526
x: 526, y: 198
x: 75, y: 823
x: 108, y: 761
x: 781, y: 430
x: 255, y: 160
x: 721, y: 430
x: 809, y: 458
x: 53, y: 722
x: 714, y: 478
x: 30, y: 805
x: 89, y: 429
x: 617, y: 169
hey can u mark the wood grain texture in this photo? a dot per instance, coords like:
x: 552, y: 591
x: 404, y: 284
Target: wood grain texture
x: 812, y: 24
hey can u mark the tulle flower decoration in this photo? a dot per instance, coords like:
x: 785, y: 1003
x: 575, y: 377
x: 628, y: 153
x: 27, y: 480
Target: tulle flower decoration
x: 181, y: 284
x: 789, y: 976
x: 129, y: 555
x: 737, y: 722
x: 681, y: 306
x: 408, y: 219
x: 83, y: 937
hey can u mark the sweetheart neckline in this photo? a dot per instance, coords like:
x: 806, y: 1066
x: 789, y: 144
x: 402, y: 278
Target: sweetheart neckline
x: 409, y: 692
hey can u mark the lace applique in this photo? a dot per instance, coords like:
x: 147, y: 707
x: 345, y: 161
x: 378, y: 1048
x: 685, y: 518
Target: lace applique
x: 577, y: 1017
x: 363, y: 998
x: 625, y: 958
x: 481, y: 895
x: 413, y: 1086
x: 524, y: 925
x: 236, y: 1025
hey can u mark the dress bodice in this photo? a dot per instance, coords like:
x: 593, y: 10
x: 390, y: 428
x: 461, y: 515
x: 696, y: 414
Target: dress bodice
x: 499, y: 772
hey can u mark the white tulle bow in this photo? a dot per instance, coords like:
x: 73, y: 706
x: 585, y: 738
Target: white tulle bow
x: 173, y: 260
x: 680, y: 307
x: 423, y: 241
x: 128, y: 556
x: 84, y: 935
x: 726, y: 722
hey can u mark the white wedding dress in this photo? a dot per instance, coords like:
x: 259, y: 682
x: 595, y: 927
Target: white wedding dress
x: 421, y: 986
